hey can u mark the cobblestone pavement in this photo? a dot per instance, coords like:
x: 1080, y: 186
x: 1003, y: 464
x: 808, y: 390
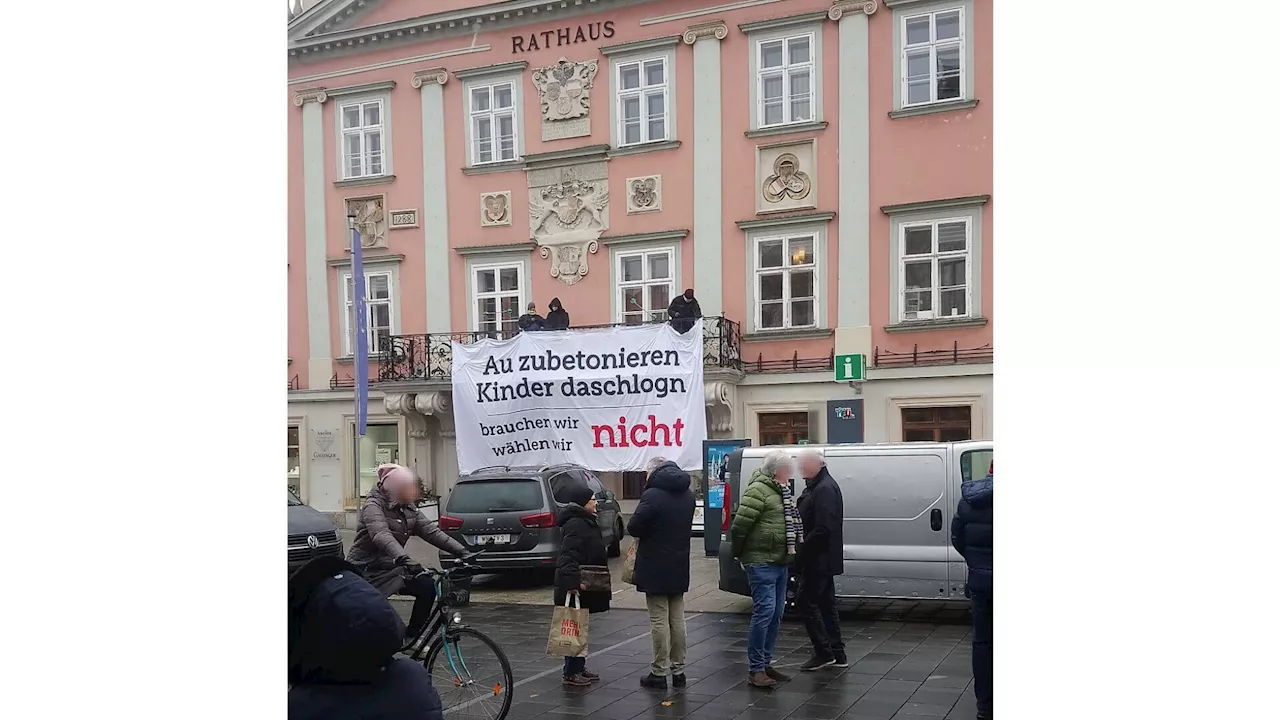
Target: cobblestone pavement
x: 905, y: 671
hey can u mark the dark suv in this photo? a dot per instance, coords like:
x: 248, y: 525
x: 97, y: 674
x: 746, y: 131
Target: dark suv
x: 510, y: 513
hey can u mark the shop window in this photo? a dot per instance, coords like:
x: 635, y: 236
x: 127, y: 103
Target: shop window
x: 633, y: 485
x: 379, y: 446
x: 295, y: 462
x: 937, y: 424
x: 784, y: 428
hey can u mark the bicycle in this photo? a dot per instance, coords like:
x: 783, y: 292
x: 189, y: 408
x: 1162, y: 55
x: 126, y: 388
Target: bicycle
x: 462, y: 684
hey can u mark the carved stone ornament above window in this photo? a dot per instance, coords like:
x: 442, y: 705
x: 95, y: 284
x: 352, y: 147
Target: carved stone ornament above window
x: 644, y: 194
x: 565, y: 89
x: 370, y: 220
x: 565, y: 220
x: 495, y: 209
x: 787, y: 176
x: 787, y: 180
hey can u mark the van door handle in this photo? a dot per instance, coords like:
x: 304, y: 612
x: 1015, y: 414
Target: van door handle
x: 935, y: 519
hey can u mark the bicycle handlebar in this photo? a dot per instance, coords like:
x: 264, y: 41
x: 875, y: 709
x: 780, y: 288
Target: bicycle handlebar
x: 462, y: 565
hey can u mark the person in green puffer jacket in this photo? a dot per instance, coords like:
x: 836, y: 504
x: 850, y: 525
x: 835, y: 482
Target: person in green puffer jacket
x: 763, y: 536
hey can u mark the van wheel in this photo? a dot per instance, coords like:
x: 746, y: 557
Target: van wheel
x: 615, y: 548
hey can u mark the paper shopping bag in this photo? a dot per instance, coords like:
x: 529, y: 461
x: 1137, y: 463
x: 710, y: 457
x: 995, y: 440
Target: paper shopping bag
x: 629, y: 565
x: 570, y: 626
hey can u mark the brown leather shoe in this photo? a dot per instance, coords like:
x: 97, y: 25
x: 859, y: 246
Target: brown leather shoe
x: 776, y: 675
x: 761, y: 680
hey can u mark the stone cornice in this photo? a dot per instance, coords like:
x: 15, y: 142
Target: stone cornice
x: 807, y: 218
x: 649, y: 237
x: 385, y: 86
x: 571, y: 156
x: 496, y: 249
x: 659, y: 43
x: 928, y: 205
x: 368, y: 260
x: 516, y: 67
x: 840, y: 7
x: 716, y: 28
x: 783, y: 22
x: 315, y: 94
x: 325, y: 28
x: 437, y: 76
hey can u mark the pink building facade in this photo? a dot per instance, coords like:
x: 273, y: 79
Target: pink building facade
x: 819, y: 173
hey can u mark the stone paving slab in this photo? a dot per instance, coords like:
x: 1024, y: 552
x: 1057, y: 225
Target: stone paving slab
x: 899, y: 670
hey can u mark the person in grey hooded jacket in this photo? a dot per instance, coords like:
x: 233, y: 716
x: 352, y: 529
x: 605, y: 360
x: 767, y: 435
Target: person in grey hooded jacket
x: 390, y: 516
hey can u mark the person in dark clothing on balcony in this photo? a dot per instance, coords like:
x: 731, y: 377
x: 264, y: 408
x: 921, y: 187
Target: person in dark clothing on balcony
x: 684, y: 311
x: 972, y: 536
x: 531, y: 320
x: 558, y: 318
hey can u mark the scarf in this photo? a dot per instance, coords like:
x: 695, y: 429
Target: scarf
x: 795, y: 529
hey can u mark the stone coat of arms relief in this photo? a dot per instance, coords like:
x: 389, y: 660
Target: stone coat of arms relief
x: 566, y: 220
x: 370, y: 220
x: 564, y: 91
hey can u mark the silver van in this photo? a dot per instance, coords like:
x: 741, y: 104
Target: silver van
x: 899, y: 499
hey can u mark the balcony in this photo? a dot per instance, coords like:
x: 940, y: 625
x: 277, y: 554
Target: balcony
x: 430, y: 356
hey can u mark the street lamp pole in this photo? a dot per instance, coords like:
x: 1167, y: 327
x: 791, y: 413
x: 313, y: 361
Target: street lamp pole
x: 354, y: 338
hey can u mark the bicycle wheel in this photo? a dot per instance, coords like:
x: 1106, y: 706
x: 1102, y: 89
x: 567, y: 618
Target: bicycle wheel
x: 472, y: 675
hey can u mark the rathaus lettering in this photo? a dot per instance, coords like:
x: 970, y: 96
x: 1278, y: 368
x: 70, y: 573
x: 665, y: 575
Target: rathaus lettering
x: 563, y: 36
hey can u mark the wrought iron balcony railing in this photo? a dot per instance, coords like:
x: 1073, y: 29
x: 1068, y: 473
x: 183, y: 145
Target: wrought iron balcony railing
x: 430, y: 356
x: 955, y: 355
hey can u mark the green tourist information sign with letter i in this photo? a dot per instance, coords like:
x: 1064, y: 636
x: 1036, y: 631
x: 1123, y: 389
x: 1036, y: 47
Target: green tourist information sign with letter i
x: 850, y: 367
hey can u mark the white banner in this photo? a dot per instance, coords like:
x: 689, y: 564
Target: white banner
x: 609, y: 399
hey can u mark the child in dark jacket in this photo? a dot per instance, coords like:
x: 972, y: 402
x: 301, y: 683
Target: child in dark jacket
x: 580, y: 544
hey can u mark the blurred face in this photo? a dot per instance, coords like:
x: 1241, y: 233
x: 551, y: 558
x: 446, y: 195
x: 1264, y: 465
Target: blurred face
x: 809, y: 467
x: 590, y: 506
x: 785, y: 472
x: 406, y: 493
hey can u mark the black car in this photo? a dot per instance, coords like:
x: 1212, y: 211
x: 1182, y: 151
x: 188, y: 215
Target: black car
x: 510, y: 513
x: 310, y: 534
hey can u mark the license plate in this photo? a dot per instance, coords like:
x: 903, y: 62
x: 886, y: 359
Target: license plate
x: 490, y: 539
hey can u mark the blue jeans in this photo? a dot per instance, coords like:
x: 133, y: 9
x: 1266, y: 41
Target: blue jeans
x: 768, y: 600
x: 574, y: 665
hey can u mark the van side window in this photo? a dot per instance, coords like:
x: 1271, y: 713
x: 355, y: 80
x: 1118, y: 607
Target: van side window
x: 593, y: 483
x: 975, y: 464
x: 557, y: 482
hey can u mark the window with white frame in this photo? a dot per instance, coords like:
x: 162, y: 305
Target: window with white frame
x: 933, y: 57
x: 786, y: 282
x: 784, y: 92
x: 934, y: 269
x: 493, y: 122
x: 378, y: 315
x: 645, y: 285
x: 498, y: 296
x: 642, y: 101
x: 363, y: 136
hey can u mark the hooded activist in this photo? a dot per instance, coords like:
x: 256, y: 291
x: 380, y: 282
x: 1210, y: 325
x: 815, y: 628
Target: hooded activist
x: 343, y: 636
x: 558, y: 318
x: 662, y: 526
x: 390, y: 516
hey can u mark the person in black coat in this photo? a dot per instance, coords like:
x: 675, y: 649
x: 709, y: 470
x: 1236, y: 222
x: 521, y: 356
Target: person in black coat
x: 972, y: 536
x: 581, y: 543
x: 558, y: 318
x: 531, y: 320
x: 684, y: 311
x: 343, y: 636
x: 662, y: 525
x: 820, y: 560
